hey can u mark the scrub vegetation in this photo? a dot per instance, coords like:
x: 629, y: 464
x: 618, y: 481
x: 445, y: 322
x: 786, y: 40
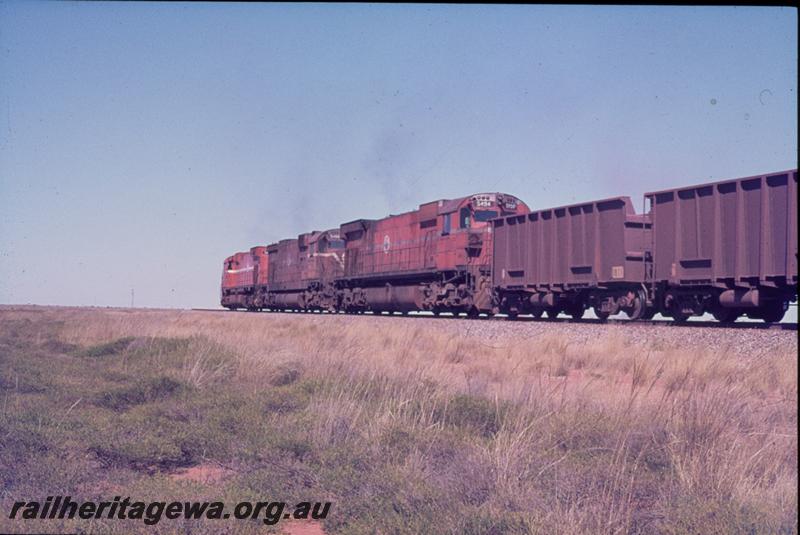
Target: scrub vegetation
x: 406, y: 426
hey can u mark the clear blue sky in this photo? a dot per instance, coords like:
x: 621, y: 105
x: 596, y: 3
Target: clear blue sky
x: 141, y: 143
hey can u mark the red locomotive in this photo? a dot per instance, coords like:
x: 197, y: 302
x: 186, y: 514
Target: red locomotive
x: 727, y: 248
x: 435, y: 258
x: 303, y: 271
x: 244, y: 277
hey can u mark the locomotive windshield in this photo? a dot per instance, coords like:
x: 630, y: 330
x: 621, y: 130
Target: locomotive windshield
x: 485, y: 215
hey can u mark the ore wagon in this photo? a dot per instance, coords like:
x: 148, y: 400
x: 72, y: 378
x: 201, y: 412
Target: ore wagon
x: 729, y: 247
x: 570, y: 258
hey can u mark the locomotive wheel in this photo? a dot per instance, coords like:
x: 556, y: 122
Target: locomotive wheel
x: 726, y: 315
x: 537, y: 313
x: 552, y: 313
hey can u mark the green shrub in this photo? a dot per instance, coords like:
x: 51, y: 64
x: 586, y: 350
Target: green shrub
x: 476, y: 413
x: 285, y: 374
x: 143, y: 391
x: 115, y: 347
x: 700, y: 514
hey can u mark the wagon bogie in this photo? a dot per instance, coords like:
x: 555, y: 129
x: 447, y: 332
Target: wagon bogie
x: 630, y: 300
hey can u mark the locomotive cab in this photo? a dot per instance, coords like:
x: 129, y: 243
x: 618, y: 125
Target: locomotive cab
x: 482, y: 208
x: 473, y: 215
x: 475, y: 212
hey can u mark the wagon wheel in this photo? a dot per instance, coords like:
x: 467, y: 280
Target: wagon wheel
x: 726, y: 315
x: 576, y: 310
x: 678, y: 315
x: 552, y: 313
x: 649, y: 313
x: 637, y: 309
x: 602, y: 315
x: 672, y: 306
x: 773, y: 311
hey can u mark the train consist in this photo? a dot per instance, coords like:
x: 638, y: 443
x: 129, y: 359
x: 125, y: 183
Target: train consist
x: 727, y: 248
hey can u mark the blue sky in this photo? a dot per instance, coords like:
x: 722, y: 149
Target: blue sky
x: 141, y: 143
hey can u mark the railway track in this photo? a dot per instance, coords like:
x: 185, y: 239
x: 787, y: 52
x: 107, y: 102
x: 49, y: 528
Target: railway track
x: 753, y: 325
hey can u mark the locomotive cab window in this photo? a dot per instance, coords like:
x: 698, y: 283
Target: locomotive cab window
x: 445, y: 224
x: 336, y: 244
x: 464, y: 217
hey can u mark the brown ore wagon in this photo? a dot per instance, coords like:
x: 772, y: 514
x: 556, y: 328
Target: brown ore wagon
x: 569, y: 258
x: 729, y: 248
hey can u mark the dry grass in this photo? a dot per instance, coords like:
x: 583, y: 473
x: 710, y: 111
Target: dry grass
x: 406, y: 427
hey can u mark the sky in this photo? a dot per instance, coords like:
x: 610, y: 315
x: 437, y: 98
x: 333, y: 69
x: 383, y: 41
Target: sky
x: 142, y: 143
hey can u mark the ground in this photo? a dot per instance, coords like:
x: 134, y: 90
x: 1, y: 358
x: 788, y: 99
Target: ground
x: 407, y: 425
